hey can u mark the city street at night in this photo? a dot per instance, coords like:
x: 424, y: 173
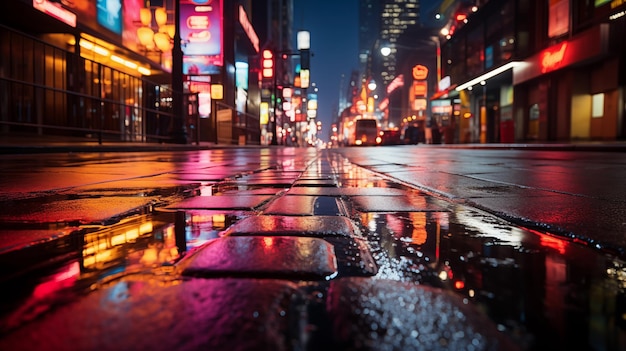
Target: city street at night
x: 363, y: 248
x: 313, y: 175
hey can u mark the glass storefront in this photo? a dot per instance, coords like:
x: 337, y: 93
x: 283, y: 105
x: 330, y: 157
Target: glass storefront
x: 46, y: 89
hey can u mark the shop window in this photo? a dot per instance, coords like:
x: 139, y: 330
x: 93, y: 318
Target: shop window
x: 597, y: 105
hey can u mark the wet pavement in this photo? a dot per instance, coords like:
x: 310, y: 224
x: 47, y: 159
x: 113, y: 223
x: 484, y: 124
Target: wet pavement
x: 292, y: 250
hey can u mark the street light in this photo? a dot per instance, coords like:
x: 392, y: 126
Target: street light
x: 304, y: 40
x: 371, y: 85
x: 385, y: 51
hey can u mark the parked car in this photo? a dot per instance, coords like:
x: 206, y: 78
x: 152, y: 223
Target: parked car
x: 414, y: 135
x: 390, y: 137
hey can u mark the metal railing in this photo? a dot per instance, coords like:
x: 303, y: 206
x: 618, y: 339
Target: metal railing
x: 47, y: 90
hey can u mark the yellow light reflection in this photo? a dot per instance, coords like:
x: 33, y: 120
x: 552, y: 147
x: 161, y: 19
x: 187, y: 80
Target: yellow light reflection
x: 268, y: 242
x: 419, y: 235
x: 100, y: 257
x: 145, y: 228
x: 150, y: 256
x: 219, y: 219
x: 100, y: 247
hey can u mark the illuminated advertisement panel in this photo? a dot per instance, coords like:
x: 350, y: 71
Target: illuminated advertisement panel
x: 56, y: 11
x: 132, y: 22
x: 95, y: 14
x: 110, y: 15
x: 558, y: 23
x: 201, y: 33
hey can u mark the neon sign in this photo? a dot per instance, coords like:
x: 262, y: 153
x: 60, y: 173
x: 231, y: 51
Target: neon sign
x: 201, y: 28
x: 551, y: 59
x: 247, y: 27
x: 398, y: 82
x: 55, y: 11
x: 420, y: 88
x: 420, y: 72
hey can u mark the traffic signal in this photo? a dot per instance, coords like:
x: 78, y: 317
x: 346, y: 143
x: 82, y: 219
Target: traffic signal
x: 305, y: 59
x: 267, y: 64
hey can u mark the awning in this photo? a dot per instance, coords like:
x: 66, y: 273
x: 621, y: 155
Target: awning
x: 445, y: 94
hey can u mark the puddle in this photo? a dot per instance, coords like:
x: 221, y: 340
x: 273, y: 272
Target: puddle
x: 544, y: 291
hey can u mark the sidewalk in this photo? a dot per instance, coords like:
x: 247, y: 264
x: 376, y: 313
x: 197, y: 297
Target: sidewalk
x: 48, y: 144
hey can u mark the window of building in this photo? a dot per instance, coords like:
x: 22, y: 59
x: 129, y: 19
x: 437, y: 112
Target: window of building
x: 597, y: 105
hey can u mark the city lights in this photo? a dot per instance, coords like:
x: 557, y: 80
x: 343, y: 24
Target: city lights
x: 268, y: 64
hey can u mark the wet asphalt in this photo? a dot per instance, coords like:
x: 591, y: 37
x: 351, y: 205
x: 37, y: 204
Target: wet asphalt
x: 314, y: 254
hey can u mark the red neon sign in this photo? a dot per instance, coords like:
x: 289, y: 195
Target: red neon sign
x: 551, y: 59
x: 56, y: 11
x: 248, y: 28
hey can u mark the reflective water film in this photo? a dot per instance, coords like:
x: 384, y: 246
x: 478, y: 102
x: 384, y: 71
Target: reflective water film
x: 312, y: 252
x: 545, y: 291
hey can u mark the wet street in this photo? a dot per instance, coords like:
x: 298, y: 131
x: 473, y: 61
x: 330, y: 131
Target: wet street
x: 373, y: 248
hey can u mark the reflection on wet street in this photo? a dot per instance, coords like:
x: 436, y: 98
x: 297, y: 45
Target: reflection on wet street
x: 562, y: 294
x: 544, y: 291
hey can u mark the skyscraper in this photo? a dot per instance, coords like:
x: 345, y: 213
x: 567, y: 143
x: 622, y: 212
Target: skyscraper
x: 397, y: 17
x: 369, y: 28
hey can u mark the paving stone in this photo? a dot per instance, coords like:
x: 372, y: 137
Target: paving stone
x: 353, y: 257
x: 314, y: 226
x: 266, y: 182
x: 370, y: 182
x: 316, y: 183
x: 155, y: 185
x: 270, y: 175
x: 230, y: 202
x: 89, y: 210
x: 260, y: 191
x: 398, y: 204
x: 204, y: 176
x: 315, y: 176
x: 328, y: 191
x: 379, y: 314
x: 150, y: 314
x: 20, y: 239
x: 303, y: 206
x: 254, y: 256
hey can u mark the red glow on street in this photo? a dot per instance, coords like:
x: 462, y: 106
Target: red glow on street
x: 553, y: 243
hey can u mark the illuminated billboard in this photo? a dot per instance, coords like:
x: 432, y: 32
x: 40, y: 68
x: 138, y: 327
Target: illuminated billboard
x: 56, y: 11
x: 110, y: 15
x: 95, y: 14
x: 201, y: 33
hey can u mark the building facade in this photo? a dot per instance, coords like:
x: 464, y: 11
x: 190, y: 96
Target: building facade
x: 556, y: 75
x: 275, y: 23
x: 401, y: 57
x: 109, y: 70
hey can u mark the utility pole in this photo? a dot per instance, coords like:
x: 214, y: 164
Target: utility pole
x: 179, y: 132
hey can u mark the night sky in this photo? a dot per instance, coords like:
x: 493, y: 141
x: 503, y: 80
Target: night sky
x: 334, y: 27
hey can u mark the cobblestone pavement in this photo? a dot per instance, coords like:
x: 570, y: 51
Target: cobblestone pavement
x: 294, y: 271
